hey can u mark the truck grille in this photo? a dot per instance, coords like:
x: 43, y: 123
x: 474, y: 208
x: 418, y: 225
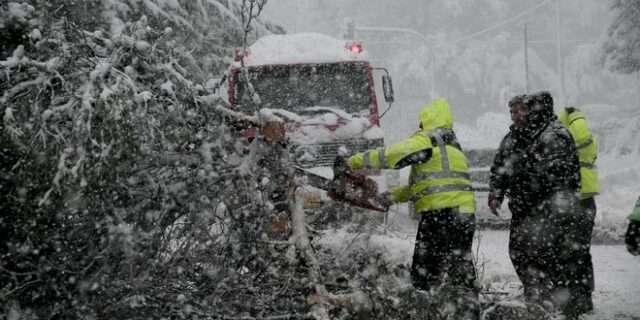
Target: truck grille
x: 324, y: 154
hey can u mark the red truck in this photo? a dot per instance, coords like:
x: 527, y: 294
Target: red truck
x: 323, y: 87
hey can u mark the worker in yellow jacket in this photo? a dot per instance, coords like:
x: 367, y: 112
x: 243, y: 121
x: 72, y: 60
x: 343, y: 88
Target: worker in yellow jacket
x: 440, y: 190
x: 587, y: 145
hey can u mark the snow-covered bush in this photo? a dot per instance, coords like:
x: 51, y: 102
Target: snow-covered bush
x: 114, y: 163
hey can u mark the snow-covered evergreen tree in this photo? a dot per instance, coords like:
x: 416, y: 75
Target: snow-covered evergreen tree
x: 622, y: 46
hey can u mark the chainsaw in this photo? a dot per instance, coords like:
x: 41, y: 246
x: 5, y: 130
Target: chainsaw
x: 349, y: 187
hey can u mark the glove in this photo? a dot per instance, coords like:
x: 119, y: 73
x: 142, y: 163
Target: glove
x: 494, y: 206
x: 340, y: 167
x: 274, y: 131
x: 632, y: 238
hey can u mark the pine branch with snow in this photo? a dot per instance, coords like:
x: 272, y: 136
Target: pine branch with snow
x: 114, y: 165
x: 622, y: 45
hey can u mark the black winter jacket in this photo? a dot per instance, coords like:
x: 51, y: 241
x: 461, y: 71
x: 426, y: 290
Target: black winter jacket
x: 508, y: 174
x: 552, y: 162
x: 539, y: 172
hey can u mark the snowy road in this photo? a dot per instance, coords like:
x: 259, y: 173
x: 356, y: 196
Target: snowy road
x: 617, y: 273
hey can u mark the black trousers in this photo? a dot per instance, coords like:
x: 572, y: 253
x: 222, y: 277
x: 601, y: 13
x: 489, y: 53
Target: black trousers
x: 551, y: 255
x: 578, y: 264
x: 532, y: 251
x: 443, y: 249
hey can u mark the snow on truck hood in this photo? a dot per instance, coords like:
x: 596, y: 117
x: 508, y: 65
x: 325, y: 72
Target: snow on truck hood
x: 300, y: 48
x: 325, y: 124
x: 357, y: 128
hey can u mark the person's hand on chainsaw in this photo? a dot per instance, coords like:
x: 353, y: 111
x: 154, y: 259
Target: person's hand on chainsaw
x: 340, y: 166
x: 494, y: 206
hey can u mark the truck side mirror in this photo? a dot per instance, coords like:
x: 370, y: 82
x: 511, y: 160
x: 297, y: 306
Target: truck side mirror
x: 387, y: 88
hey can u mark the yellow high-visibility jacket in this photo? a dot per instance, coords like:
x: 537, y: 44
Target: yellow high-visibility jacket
x: 439, y: 175
x: 587, y: 145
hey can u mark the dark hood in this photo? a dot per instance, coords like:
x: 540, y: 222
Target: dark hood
x: 540, y: 113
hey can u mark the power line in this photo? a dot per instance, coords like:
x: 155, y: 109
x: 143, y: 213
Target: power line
x: 495, y: 26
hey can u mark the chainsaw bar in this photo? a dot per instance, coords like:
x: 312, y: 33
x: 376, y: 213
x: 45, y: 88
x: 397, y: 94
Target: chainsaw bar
x: 351, y: 188
x: 314, y: 180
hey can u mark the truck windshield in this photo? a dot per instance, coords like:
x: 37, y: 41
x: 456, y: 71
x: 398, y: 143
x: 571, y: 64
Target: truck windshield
x: 298, y: 87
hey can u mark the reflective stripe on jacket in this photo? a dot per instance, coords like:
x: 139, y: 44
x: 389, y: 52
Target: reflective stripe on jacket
x: 587, y: 145
x: 440, y: 182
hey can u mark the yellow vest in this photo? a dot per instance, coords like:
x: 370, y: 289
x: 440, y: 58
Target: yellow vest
x: 439, y: 183
x: 443, y: 181
x: 587, y: 145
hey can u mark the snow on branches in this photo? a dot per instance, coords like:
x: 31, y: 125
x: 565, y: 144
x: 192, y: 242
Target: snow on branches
x: 127, y: 190
x: 118, y: 180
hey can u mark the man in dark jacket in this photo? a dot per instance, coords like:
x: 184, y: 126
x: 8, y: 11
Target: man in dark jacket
x: 543, y: 184
x: 507, y: 175
x: 509, y: 178
x: 553, y: 236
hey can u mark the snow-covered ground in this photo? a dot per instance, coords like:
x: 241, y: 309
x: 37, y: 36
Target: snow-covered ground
x: 617, y: 275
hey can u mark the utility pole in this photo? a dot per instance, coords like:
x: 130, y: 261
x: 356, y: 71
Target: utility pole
x: 526, y: 60
x: 349, y: 29
x: 562, y: 100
